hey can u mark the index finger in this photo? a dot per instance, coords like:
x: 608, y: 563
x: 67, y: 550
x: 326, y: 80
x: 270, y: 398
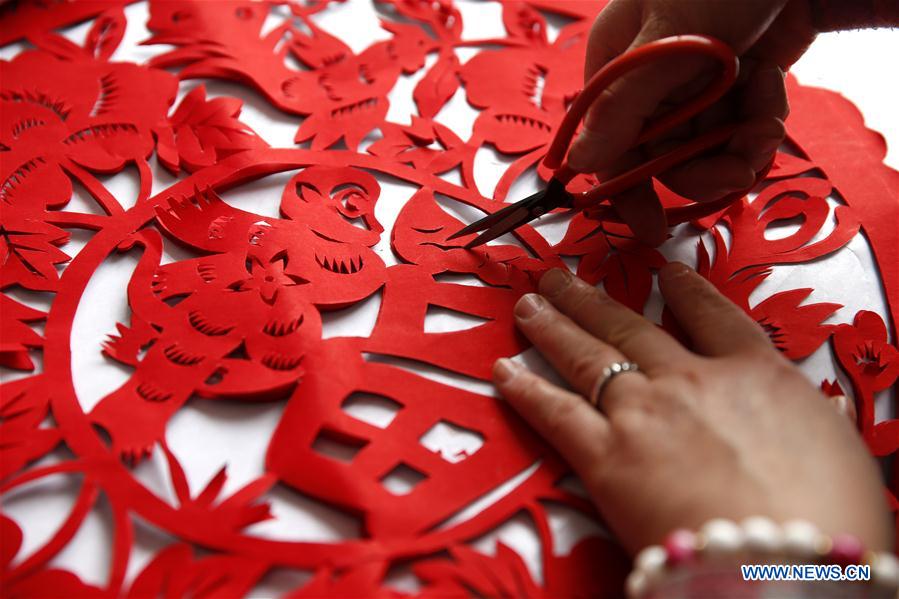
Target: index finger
x: 716, y: 325
x: 642, y: 210
x: 619, y: 326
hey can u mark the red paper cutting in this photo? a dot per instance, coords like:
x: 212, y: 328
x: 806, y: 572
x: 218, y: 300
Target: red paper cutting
x: 30, y: 18
x: 17, y: 336
x: 238, y: 315
x: 872, y: 365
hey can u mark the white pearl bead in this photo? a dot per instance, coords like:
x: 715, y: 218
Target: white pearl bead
x: 722, y: 536
x: 651, y: 561
x: 885, y: 569
x: 636, y: 585
x: 762, y: 535
x: 800, y: 538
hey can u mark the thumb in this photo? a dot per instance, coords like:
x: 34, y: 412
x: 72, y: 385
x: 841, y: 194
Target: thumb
x: 618, y: 116
x: 642, y: 211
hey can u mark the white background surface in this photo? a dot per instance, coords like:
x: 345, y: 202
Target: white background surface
x: 205, y: 435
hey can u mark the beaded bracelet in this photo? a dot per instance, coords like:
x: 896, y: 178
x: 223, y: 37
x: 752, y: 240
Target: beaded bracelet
x: 754, y: 538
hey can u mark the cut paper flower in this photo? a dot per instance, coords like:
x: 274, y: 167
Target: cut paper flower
x: 229, y: 305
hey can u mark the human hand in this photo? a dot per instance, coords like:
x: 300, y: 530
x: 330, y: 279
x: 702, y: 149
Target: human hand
x: 730, y: 430
x: 767, y: 35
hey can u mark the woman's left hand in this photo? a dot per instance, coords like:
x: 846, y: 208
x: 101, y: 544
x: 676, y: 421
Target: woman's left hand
x: 729, y: 430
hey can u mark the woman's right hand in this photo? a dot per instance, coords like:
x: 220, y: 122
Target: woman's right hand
x: 767, y: 35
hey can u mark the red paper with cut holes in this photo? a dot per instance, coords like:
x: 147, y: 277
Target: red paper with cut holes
x: 241, y: 321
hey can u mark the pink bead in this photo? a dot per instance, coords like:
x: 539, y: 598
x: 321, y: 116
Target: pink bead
x: 680, y: 547
x: 846, y: 550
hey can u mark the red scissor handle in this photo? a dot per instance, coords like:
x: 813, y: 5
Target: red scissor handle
x: 694, y: 45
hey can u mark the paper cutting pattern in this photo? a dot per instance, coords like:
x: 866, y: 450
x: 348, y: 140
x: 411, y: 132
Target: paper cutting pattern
x: 241, y: 320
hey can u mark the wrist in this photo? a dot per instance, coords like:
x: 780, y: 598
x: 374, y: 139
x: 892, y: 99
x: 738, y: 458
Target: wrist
x: 712, y: 558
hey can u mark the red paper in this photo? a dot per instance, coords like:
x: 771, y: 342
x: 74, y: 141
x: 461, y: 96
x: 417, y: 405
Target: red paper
x: 241, y: 320
x: 29, y: 18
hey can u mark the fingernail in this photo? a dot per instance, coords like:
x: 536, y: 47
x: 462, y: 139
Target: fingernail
x: 771, y: 129
x: 742, y: 184
x: 504, y: 370
x: 769, y: 146
x: 845, y: 407
x: 576, y: 157
x: 528, y: 306
x: 555, y: 282
x: 675, y: 270
x: 840, y: 403
x: 589, y: 152
x: 771, y: 81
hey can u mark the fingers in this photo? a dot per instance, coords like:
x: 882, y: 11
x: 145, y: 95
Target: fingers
x: 643, y: 212
x: 612, y: 33
x: 570, y: 424
x: 765, y: 94
x: 756, y: 141
x: 578, y: 356
x: 763, y: 106
x: 708, y: 179
x: 616, y: 119
x: 844, y: 406
x: 763, y: 110
x: 625, y: 330
x: 618, y: 116
x: 716, y: 325
x: 788, y: 37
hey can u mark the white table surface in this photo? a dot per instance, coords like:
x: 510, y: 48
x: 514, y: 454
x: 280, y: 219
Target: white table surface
x: 203, y: 434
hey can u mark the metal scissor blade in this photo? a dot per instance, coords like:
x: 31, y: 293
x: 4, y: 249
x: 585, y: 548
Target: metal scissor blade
x: 513, y: 220
x: 491, y: 219
x: 528, y: 209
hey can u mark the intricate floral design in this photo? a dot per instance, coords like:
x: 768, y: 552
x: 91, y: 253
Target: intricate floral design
x: 872, y: 364
x: 91, y: 113
x: 242, y: 319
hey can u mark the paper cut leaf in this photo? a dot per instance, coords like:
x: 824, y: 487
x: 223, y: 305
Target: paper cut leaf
x: 226, y: 304
x: 24, y: 404
x: 201, y: 133
x: 437, y: 86
x: 16, y: 337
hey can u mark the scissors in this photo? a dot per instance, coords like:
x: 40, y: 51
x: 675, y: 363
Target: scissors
x: 556, y: 196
